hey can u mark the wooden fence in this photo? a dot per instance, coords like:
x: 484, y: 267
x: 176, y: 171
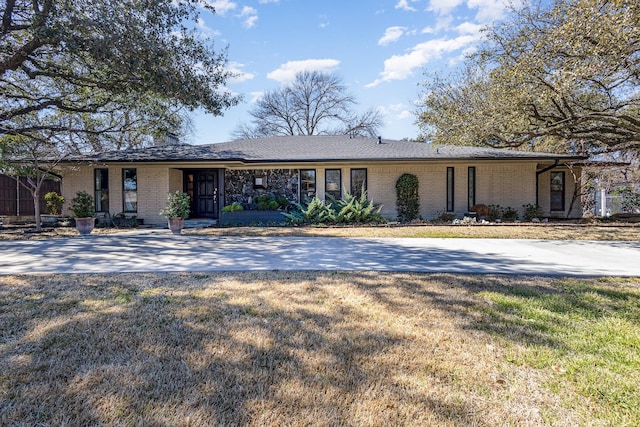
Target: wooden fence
x: 17, y: 200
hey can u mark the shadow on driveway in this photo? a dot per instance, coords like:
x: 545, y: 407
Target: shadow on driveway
x: 168, y: 253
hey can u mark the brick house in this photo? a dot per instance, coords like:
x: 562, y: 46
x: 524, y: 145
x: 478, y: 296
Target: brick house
x: 451, y: 178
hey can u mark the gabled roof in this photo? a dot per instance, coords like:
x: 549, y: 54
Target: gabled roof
x: 314, y: 149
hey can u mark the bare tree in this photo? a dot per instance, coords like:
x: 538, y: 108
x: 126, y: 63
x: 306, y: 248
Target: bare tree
x: 315, y: 103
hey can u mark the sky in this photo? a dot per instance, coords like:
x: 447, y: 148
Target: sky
x: 380, y: 48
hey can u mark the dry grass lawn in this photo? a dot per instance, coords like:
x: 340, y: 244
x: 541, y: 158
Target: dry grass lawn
x: 620, y: 231
x: 552, y: 231
x: 318, y: 349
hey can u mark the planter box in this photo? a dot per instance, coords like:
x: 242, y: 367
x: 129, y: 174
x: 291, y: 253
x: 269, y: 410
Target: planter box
x: 252, y: 217
x: 46, y: 219
x: 119, y: 222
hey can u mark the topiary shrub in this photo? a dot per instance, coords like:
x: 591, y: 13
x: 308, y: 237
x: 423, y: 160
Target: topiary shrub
x: 82, y: 205
x: 54, y: 202
x: 407, y: 198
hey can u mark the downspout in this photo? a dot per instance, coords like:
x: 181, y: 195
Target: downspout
x: 538, y: 173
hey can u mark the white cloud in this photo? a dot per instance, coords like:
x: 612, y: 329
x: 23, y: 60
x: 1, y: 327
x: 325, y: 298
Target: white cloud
x: 400, y: 67
x: 488, y: 10
x: 205, y: 30
x: 404, y: 114
x: 469, y: 28
x: 404, y: 5
x: 324, y: 21
x: 443, y: 22
x: 241, y: 76
x: 391, y: 34
x: 287, y: 72
x: 255, y: 97
x: 222, y: 6
x: 443, y: 7
x: 250, y: 16
x: 397, y: 111
x: 400, y: 111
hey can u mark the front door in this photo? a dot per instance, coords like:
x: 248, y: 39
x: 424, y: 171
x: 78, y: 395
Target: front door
x: 202, y: 186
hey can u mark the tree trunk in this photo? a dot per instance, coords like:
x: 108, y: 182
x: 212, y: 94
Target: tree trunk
x: 36, y: 204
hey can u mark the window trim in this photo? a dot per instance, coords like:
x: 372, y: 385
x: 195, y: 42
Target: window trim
x: 125, y: 191
x: 471, y: 187
x: 451, y: 189
x: 326, y: 191
x: 99, y: 192
x: 315, y: 184
x: 356, y: 191
x: 562, y: 191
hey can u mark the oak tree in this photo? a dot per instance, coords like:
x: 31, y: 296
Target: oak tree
x: 566, y: 73
x: 87, y: 75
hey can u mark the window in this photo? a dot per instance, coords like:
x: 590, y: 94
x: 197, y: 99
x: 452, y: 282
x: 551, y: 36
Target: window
x: 471, y: 187
x: 358, y: 182
x: 129, y: 190
x: 307, y: 184
x: 450, y: 205
x: 101, y: 189
x: 332, y: 183
x: 557, y: 191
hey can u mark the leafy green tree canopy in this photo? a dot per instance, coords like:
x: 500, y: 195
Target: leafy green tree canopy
x: 567, y: 73
x: 103, y: 67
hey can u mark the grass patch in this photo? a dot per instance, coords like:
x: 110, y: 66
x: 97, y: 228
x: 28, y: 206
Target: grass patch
x: 550, y: 231
x: 547, y: 231
x: 318, y: 348
x: 585, y: 334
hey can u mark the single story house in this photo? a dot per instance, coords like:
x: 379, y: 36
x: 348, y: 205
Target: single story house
x: 451, y: 178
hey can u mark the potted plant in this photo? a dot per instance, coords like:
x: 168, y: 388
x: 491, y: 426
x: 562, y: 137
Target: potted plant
x: 83, y: 210
x: 54, y: 206
x: 177, y: 210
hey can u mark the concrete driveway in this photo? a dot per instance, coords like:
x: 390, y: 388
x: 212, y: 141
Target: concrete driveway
x: 159, y: 251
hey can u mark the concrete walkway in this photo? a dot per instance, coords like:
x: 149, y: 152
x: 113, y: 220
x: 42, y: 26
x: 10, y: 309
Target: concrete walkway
x: 159, y: 251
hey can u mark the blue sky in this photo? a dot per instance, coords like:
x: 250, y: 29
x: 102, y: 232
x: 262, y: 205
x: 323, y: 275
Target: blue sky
x: 380, y: 48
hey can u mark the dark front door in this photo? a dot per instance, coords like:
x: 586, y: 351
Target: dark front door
x: 202, y: 186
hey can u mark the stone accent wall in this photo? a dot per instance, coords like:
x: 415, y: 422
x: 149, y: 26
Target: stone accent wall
x: 239, y: 185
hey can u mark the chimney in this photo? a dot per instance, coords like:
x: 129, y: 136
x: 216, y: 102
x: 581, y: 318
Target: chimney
x: 379, y: 140
x: 167, y: 139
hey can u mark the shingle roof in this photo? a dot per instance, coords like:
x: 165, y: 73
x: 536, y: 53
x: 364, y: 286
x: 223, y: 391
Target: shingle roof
x: 312, y: 149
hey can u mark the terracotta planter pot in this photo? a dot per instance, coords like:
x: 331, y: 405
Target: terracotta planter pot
x: 176, y: 225
x: 85, y: 225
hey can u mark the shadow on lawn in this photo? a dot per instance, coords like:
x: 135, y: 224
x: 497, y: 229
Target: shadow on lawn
x: 268, y: 348
x: 178, y: 350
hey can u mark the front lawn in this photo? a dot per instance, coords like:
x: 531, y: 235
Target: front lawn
x: 551, y: 231
x: 318, y: 349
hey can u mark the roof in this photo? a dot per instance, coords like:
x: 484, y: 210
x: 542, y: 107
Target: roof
x: 314, y: 149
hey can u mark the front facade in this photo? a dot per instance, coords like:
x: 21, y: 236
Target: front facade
x: 451, y: 179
